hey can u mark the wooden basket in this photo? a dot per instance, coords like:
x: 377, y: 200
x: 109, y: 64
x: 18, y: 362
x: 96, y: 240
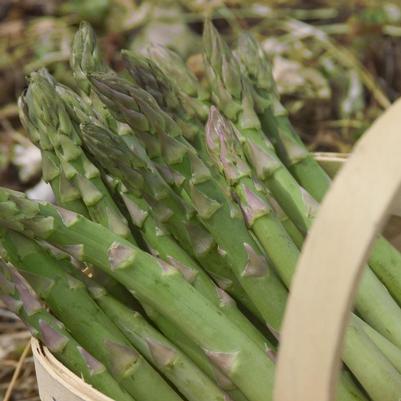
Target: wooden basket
x: 351, y: 213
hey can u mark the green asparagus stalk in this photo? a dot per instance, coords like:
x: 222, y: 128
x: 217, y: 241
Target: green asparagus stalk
x: 233, y: 97
x: 231, y: 94
x: 188, y: 379
x: 192, y: 236
x: 20, y: 298
x: 79, y: 175
x: 213, y: 206
x: 66, y: 195
x: 185, y: 83
x: 379, y: 377
x: 274, y: 119
x: 85, y: 56
x: 259, y: 214
x: 190, y: 91
x: 151, y: 78
x: 166, y: 248
x: 192, y: 383
x: 69, y: 300
x: 287, y: 223
x: 196, y: 354
x: 389, y: 350
x: 183, y: 342
x: 160, y: 242
x: 47, y: 110
x: 147, y: 75
x: 79, y: 113
x: 103, y: 141
x: 133, y: 167
x: 353, y: 388
x: 385, y: 260
x: 159, y: 284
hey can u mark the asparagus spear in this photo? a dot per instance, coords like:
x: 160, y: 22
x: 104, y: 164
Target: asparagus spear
x: 158, y: 283
x: 385, y: 260
x: 132, y: 166
x: 379, y: 377
x: 232, y: 95
x: 52, y: 121
x: 151, y: 78
x: 86, y: 56
x: 78, y: 174
x: 186, y: 85
x: 193, y: 351
x: 157, y: 238
x: 192, y: 236
x: 274, y: 119
x: 214, y: 208
x: 189, y: 89
x: 389, y: 350
x: 190, y: 351
x: 20, y: 298
x: 223, y: 360
x: 66, y: 195
x: 69, y: 300
x: 226, y: 152
x: 103, y: 142
x: 165, y: 247
x: 192, y: 383
x: 188, y: 379
x: 261, y: 219
x: 147, y: 75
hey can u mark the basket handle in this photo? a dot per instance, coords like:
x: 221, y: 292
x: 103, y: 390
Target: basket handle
x: 330, y: 266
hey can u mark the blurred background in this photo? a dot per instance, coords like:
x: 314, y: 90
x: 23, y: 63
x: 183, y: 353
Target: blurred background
x: 337, y: 65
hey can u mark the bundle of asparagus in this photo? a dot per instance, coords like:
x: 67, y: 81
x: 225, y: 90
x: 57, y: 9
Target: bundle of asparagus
x: 181, y: 211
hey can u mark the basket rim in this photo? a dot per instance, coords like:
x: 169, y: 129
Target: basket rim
x: 63, y: 376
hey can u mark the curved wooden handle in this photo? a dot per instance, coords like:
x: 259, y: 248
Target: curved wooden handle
x: 337, y: 247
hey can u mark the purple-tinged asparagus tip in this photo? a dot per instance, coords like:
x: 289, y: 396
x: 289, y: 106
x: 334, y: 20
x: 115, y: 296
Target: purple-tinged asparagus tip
x: 161, y: 354
x: 256, y: 265
x: 212, y: 130
x: 225, y: 361
x: 167, y: 268
x: 120, y: 256
x: 67, y: 216
x: 28, y: 297
x: 253, y: 206
x: 188, y: 273
x: 12, y: 304
x: 122, y: 357
x: 53, y: 340
x: 94, y: 366
x: 224, y: 298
